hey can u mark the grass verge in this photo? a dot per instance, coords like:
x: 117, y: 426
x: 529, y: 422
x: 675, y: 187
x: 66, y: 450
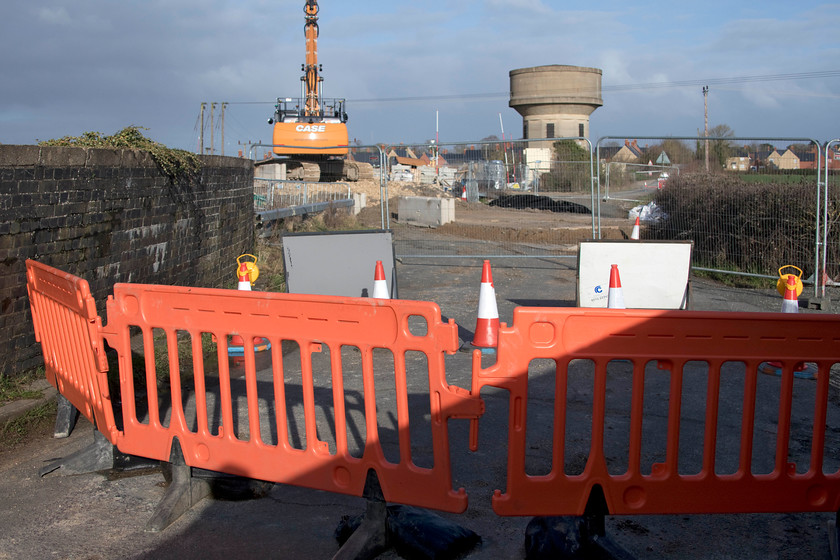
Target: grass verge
x: 38, y: 421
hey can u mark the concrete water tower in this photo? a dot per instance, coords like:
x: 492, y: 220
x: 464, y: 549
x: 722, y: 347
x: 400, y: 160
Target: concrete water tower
x: 555, y: 101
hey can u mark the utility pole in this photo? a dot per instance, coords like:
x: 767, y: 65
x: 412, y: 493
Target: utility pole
x: 224, y: 104
x: 212, y: 130
x: 706, y: 120
x: 201, y: 133
x: 504, y: 149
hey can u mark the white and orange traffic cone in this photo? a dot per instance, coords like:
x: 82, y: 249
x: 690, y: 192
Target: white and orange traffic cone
x: 244, y: 277
x: 487, y: 324
x: 380, y: 286
x: 791, y: 303
x: 615, y: 297
x: 635, y: 233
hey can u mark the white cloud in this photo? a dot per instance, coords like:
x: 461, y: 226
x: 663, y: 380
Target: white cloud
x: 55, y: 16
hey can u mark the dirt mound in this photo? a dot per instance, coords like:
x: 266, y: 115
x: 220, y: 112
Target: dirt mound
x: 395, y: 189
x: 536, y: 202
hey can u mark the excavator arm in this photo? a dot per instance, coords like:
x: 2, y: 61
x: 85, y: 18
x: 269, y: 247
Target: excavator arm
x: 312, y: 105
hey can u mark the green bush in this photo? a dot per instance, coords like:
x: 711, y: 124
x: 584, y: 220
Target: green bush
x: 176, y: 164
x: 748, y: 227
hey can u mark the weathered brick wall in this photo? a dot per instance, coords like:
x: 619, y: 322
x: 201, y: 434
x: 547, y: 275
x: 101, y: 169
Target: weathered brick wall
x: 111, y: 216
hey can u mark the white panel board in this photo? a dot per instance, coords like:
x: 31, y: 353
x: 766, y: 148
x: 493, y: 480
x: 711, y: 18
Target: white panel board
x: 338, y: 263
x: 654, y: 275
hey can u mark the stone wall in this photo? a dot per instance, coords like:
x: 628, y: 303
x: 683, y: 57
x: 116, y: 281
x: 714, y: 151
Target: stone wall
x: 111, y: 216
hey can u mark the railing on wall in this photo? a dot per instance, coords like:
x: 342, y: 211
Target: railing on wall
x: 270, y: 194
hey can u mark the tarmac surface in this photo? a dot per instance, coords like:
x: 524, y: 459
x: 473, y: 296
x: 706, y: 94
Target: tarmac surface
x: 103, y: 515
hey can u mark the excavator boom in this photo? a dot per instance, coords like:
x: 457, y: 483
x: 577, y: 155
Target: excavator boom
x: 311, y: 78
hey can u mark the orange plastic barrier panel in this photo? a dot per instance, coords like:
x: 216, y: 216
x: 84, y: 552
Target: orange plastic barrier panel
x: 214, y: 433
x: 69, y: 330
x: 678, y: 340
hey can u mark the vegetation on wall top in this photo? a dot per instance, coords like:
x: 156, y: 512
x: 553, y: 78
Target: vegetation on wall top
x: 175, y: 163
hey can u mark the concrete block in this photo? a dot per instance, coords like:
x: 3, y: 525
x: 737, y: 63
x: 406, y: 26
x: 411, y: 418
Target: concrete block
x: 426, y: 211
x: 359, y: 202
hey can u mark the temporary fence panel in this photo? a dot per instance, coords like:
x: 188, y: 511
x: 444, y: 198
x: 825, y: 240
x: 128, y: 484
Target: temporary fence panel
x: 334, y: 362
x: 635, y: 182
x: 514, y: 198
x: 831, y: 201
x: 69, y: 330
x: 637, y: 472
x: 752, y: 211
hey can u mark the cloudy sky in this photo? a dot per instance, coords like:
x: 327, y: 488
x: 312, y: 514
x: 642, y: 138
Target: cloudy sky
x: 773, y: 68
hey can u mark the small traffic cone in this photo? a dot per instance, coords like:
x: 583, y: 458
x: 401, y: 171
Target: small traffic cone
x: 487, y: 324
x: 635, y: 233
x: 244, y: 278
x: 380, y: 286
x: 615, y: 297
x: 791, y: 303
x: 464, y: 193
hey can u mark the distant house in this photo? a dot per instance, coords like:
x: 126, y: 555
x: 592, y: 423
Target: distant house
x: 468, y: 155
x: 629, y: 153
x: 787, y: 160
x: 441, y: 161
x: 401, y: 151
x: 738, y: 163
x: 364, y: 156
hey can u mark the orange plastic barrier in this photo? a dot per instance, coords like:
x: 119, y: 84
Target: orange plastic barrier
x: 69, y: 330
x: 315, y: 324
x: 674, y: 338
x: 154, y: 403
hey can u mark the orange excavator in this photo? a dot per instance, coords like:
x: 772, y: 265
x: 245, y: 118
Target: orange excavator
x: 310, y: 132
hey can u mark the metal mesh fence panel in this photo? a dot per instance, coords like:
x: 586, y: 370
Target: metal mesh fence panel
x: 752, y: 211
x: 507, y: 198
x: 831, y: 215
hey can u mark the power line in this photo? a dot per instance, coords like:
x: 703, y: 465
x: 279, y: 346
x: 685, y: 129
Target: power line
x: 607, y: 88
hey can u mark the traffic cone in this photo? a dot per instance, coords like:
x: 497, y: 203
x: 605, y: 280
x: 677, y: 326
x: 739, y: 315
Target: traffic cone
x: 380, y: 286
x: 244, y: 278
x: 635, y: 233
x: 791, y: 303
x: 615, y: 297
x: 464, y: 193
x: 487, y: 324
